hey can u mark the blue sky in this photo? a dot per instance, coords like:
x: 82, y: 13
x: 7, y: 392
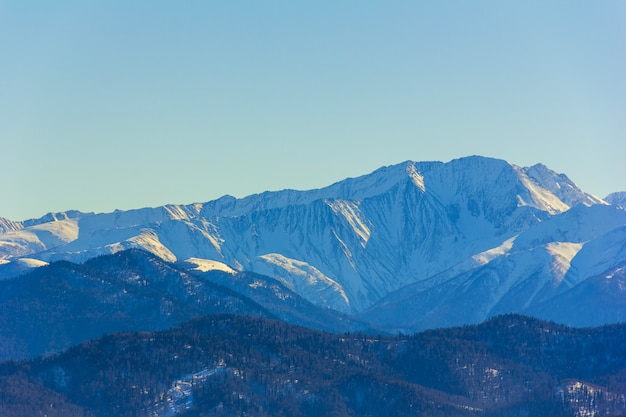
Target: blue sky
x: 125, y: 104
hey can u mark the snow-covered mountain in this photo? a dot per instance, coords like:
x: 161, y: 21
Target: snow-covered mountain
x: 409, y: 245
x: 618, y: 198
x: 531, y: 273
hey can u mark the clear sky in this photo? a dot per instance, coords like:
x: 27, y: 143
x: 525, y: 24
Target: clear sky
x: 125, y: 104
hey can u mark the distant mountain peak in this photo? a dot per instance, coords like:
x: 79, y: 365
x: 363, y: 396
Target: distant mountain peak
x: 618, y: 198
x: 560, y: 185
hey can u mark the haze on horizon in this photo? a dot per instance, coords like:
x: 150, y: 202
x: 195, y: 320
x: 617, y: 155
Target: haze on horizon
x: 120, y: 105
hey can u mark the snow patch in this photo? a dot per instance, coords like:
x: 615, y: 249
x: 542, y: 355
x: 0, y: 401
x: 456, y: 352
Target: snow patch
x: 562, y: 254
x: 149, y: 240
x: 179, y: 397
x: 308, y: 274
x: 617, y: 271
x: 489, y: 255
x: 345, y: 250
x: 31, y: 263
x: 350, y: 211
x: 216, y: 241
x: 205, y: 265
x: 416, y: 177
x: 176, y: 212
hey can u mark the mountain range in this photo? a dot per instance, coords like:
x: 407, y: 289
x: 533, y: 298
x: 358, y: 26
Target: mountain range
x: 407, y: 247
x: 298, y: 302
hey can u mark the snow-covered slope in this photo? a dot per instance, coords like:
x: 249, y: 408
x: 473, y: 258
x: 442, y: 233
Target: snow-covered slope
x: 414, y: 226
x: 526, y: 274
x: 37, y: 238
x: 560, y: 186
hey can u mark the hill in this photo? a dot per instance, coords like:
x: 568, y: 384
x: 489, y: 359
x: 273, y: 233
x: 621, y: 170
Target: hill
x: 233, y: 365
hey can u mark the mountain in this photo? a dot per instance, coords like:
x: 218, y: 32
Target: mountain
x: 409, y: 246
x: 617, y: 198
x: 283, y: 303
x: 64, y: 304
x: 233, y: 365
x: 546, y: 271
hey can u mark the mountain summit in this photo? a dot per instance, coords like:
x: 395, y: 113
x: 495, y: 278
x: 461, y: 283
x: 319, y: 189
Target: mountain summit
x: 412, y: 245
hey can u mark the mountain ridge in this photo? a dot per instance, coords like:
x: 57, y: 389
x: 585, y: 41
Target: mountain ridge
x: 350, y: 244
x: 135, y: 290
x: 539, y: 172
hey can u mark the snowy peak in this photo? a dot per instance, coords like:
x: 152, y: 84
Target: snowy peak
x: 502, y: 182
x: 7, y: 225
x: 560, y: 186
x: 376, y: 183
x: 365, y: 186
x: 52, y: 217
x: 499, y: 184
x: 617, y: 199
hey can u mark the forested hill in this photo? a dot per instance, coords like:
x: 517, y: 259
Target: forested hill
x: 64, y: 304
x: 228, y: 365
